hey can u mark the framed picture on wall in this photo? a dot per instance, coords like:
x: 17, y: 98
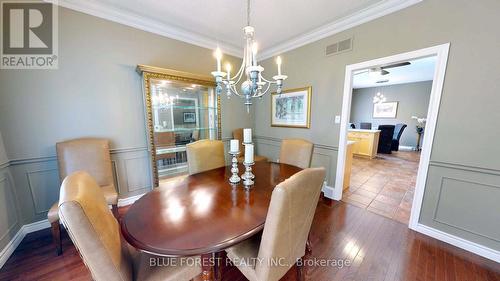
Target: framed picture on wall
x: 189, y: 117
x: 385, y: 109
x: 291, y: 108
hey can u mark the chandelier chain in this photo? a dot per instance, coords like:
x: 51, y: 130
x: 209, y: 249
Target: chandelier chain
x: 248, y: 12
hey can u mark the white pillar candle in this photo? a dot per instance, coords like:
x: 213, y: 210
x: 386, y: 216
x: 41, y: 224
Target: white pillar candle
x: 249, y: 153
x: 247, y: 135
x: 235, y: 146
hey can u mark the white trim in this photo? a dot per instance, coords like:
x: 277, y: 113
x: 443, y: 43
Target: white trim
x: 11, y: 247
x: 328, y: 191
x: 129, y: 200
x: 406, y: 148
x: 36, y: 226
x: 143, y: 23
x: 459, y: 242
x: 128, y: 18
x: 18, y: 238
x: 370, y: 13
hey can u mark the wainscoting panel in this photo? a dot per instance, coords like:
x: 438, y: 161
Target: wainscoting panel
x: 9, y: 221
x: 42, y: 185
x: 37, y: 180
x: 323, y: 155
x: 464, y: 202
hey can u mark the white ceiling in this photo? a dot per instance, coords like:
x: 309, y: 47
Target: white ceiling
x: 280, y: 25
x: 418, y: 70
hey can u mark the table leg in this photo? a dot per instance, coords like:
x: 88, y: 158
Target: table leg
x: 218, y: 256
x: 207, y: 267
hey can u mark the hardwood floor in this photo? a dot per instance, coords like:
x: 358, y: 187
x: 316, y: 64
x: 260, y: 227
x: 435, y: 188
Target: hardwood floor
x: 377, y: 248
x: 384, y: 185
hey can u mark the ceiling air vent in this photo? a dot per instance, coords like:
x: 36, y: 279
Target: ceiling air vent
x: 339, y: 47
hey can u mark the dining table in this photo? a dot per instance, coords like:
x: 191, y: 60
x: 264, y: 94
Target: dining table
x: 202, y: 214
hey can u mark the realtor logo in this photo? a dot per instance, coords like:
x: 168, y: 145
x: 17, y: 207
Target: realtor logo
x: 29, y: 35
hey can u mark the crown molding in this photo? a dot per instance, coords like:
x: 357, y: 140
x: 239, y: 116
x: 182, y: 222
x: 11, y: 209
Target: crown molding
x: 133, y: 20
x: 370, y: 13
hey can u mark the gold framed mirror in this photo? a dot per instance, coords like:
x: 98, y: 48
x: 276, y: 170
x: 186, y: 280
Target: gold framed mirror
x: 180, y: 108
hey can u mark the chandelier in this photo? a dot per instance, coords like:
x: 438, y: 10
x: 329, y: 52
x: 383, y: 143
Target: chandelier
x: 379, y: 98
x: 254, y: 84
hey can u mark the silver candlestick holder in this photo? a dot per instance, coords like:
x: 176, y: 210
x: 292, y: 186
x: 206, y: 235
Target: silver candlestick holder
x: 248, y: 176
x: 234, y: 179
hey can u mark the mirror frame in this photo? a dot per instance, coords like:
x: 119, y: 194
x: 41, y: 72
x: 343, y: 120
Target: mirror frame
x: 150, y: 72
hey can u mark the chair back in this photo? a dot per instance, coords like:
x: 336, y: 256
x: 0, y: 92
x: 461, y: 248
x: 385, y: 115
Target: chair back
x: 93, y: 229
x: 238, y: 135
x: 398, y: 131
x: 288, y: 222
x: 204, y: 155
x: 85, y: 154
x: 385, y: 138
x: 296, y: 152
x: 365, y: 126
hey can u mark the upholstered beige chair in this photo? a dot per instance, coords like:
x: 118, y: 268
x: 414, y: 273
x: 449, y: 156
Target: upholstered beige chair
x: 238, y: 135
x: 296, y: 152
x: 96, y: 234
x: 85, y: 154
x: 288, y: 221
x: 204, y: 155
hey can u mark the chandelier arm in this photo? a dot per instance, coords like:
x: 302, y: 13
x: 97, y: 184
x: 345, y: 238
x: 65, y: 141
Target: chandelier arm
x: 265, y: 92
x: 240, y: 71
x: 234, y: 90
x: 268, y: 81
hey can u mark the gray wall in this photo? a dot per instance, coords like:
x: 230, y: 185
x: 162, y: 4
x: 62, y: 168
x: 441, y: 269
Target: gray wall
x: 465, y: 147
x: 412, y: 98
x: 95, y: 92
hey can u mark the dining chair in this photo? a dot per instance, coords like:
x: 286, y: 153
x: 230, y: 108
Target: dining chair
x: 296, y: 152
x: 385, y: 139
x: 84, y: 154
x: 238, y: 134
x: 204, y: 155
x: 365, y: 126
x: 288, y: 221
x: 96, y: 235
x: 398, y: 131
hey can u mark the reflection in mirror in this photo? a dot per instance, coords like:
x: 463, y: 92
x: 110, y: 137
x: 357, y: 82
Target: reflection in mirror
x: 181, y: 113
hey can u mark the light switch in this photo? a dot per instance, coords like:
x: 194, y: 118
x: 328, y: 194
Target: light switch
x: 337, y: 119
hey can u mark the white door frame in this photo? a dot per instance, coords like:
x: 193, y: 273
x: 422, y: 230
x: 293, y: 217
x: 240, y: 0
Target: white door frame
x: 441, y: 53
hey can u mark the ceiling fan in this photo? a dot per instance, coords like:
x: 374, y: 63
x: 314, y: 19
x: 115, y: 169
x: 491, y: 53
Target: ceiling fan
x: 381, y: 70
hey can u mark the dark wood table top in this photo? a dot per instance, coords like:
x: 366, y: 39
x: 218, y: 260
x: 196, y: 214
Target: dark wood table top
x: 202, y: 213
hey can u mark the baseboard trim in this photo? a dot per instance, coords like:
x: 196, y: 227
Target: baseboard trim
x: 129, y: 200
x: 18, y: 238
x: 11, y: 246
x: 328, y: 191
x: 406, y: 148
x: 469, y: 246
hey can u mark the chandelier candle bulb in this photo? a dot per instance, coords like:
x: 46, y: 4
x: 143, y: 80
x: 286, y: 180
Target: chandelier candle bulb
x: 218, y: 56
x: 234, y: 146
x: 247, y: 135
x: 278, y: 62
x: 249, y: 153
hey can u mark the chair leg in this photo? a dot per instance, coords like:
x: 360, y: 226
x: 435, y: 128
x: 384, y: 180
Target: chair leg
x: 56, y: 237
x: 114, y: 210
x: 300, y: 269
x: 308, y: 244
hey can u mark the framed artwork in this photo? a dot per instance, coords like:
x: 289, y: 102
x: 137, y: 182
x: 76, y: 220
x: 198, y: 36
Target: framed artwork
x: 189, y: 117
x: 385, y: 109
x: 291, y: 108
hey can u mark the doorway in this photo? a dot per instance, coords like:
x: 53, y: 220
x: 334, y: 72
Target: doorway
x: 368, y: 140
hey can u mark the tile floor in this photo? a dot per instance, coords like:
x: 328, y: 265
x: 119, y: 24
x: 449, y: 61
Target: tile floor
x: 385, y: 184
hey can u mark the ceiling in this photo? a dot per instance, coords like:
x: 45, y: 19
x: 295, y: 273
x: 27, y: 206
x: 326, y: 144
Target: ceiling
x: 419, y: 70
x: 280, y: 25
